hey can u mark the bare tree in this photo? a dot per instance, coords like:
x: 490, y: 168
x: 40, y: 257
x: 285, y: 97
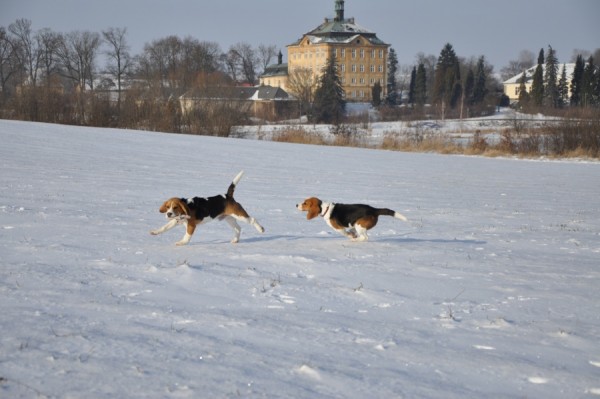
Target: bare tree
x: 266, y: 54
x: 118, y: 55
x: 48, y: 44
x: 26, y: 48
x: 9, y: 63
x: 248, y: 61
x: 302, y: 84
x: 77, y: 53
x: 526, y: 60
x: 231, y: 60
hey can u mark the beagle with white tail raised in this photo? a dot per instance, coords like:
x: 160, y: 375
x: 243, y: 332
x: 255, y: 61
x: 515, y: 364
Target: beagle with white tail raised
x: 357, y: 218
x: 195, y: 211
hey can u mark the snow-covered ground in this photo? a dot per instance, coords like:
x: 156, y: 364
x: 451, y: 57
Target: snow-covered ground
x: 491, y: 290
x: 372, y: 132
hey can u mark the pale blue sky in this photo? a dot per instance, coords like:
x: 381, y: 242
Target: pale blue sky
x: 497, y: 29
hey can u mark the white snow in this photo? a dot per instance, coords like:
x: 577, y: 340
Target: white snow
x: 492, y: 289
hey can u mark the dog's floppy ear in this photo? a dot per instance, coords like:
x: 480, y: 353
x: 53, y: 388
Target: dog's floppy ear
x: 163, y: 208
x: 314, y: 208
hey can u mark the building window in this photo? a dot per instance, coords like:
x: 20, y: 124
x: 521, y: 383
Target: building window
x: 381, y: 54
x: 353, y: 53
x: 380, y: 68
x: 353, y: 67
x: 362, y: 81
x: 362, y: 53
x: 372, y: 68
x: 343, y: 53
x: 362, y: 68
x: 343, y: 67
x: 373, y: 54
x: 334, y: 53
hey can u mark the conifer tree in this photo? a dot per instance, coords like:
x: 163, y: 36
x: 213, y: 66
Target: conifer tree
x: 480, y: 90
x: 588, y: 83
x: 468, y: 87
x: 376, y: 94
x: 392, y: 93
x: 596, y: 88
x: 537, y: 86
x: 577, y: 80
x: 421, y: 85
x: 523, y: 95
x: 447, y: 88
x: 551, y: 94
x: 329, y: 105
x: 411, y: 87
x: 563, y: 88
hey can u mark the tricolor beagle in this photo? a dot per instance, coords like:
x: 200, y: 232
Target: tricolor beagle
x: 195, y: 211
x: 357, y: 218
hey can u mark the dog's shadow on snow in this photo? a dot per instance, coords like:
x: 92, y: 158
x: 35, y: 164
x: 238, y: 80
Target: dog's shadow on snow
x: 381, y: 239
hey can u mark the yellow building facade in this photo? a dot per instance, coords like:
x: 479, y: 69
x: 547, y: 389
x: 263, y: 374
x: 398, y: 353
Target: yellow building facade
x: 360, y: 56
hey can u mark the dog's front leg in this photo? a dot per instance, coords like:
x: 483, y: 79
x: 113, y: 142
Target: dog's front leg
x: 189, y: 230
x: 170, y: 224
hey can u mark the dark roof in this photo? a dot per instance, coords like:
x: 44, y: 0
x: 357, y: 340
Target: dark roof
x: 336, y: 31
x: 275, y: 70
x: 238, y: 93
x: 271, y: 93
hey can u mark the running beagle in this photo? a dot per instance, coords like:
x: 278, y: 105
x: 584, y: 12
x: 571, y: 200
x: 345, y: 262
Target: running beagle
x: 357, y: 218
x: 195, y: 211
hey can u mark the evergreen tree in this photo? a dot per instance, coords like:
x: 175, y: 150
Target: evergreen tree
x: 576, y: 81
x: 329, y: 105
x: 588, y: 83
x: 480, y: 90
x: 421, y: 85
x: 541, y: 57
x: 468, y: 87
x: 537, y: 86
x: 392, y: 96
x: 376, y: 94
x: 551, y: 94
x: 523, y: 95
x: 411, y: 88
x: 447, y: 87
x: 563, y: 88
x: 596, y: 88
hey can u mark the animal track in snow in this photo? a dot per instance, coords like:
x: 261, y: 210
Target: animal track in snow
x: 484, y: 347
x: 309, y: 372
x: 537, y: 380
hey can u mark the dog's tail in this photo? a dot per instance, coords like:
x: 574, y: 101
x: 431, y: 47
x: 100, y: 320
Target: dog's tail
x: 235, y: 181
x: 389, y: 212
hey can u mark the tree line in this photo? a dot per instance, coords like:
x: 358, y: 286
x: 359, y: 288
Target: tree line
x: 552, y: 88
x: 55, y: 77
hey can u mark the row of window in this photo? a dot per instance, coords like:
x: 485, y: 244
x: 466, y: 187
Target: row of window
x: 361, y: 81
x: 341, y: 52
x: 353, y: 68
x: 353, y: 53
x: 361, y: 68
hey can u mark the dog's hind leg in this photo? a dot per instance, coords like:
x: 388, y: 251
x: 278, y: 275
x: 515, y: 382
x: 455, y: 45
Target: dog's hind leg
x: 236, y: 228
x: 238, y: 212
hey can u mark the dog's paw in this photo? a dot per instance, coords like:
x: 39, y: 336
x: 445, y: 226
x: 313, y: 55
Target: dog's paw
x: 235, y: 240
x: 181, y: 243
x: 154, y: 232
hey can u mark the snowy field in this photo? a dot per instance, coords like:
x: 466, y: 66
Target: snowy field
x: 491, y: 290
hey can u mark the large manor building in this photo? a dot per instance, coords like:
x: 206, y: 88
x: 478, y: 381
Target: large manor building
x: 360, y: 56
